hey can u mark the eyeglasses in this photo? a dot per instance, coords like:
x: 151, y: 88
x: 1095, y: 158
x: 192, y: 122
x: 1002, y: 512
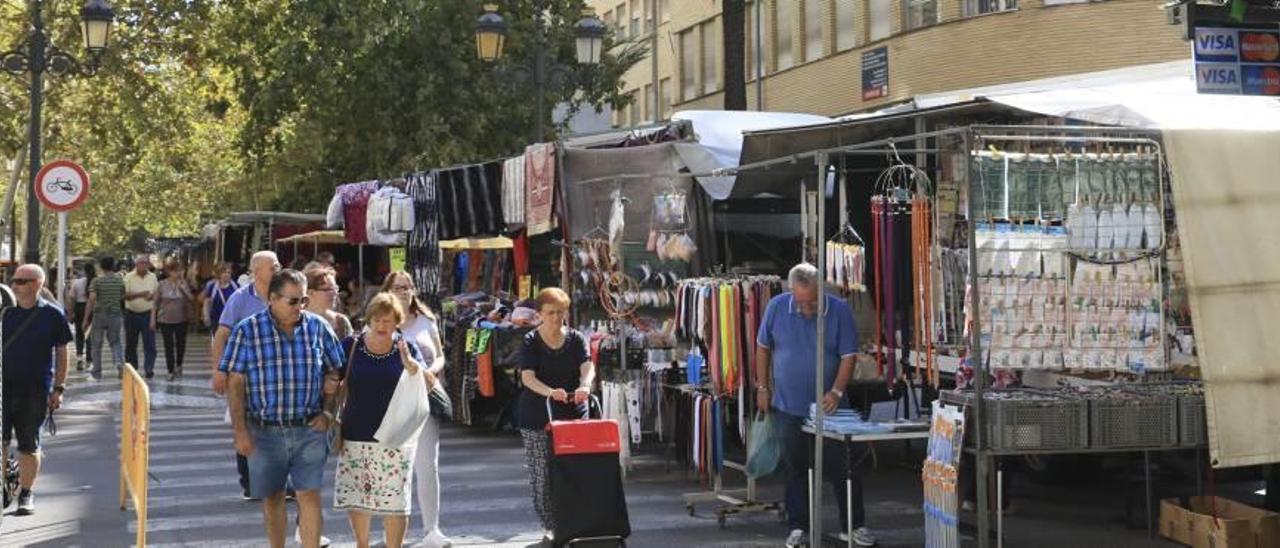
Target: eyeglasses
x: 328, y: 289
x: 23, y: 281
x: 295, y: 301
x: 402, y: 288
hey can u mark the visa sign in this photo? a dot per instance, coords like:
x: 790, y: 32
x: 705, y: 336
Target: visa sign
x: 1218, y: 77
x: 1215, y: 44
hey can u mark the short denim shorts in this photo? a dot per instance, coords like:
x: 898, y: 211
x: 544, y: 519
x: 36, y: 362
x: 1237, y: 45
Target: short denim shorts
x: 293, y: 455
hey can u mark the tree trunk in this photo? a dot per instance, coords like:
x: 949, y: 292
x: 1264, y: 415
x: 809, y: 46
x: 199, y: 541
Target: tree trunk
x: 735, y: 53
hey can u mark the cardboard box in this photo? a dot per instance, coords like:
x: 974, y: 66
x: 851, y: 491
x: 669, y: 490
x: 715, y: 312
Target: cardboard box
x: 1215, y: 522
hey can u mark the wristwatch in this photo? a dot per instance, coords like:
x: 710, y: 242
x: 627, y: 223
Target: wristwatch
x: 60, y: 389
x: 762, y: 388
x: 838, y: 393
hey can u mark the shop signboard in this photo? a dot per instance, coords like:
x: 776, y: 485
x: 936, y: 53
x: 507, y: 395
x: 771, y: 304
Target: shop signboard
x: 875, y: 74
x: 1237, y: 61
x: 397, y: 256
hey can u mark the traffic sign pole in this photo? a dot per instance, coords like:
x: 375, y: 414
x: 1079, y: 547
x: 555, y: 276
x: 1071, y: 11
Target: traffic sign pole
x: 62, y: 259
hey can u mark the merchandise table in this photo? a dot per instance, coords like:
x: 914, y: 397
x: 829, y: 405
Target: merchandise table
x: 848, y: 440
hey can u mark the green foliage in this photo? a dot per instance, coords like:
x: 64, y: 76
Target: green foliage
x: 207, y: 107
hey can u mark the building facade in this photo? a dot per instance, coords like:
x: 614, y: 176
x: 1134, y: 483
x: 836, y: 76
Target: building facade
x: 817, y: 52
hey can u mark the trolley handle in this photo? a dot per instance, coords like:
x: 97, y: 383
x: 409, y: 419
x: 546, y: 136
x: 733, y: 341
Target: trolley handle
x: 592, y: 400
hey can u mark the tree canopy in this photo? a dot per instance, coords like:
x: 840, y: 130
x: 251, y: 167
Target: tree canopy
x: 207, y: 107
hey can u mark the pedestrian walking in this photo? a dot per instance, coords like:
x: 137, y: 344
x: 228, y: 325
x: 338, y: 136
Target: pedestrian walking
x: 140, y: 286
x: 555, y: 363
x: 173, y: 304
x: 105, y: 312
x: 372, y: 478
x: 276, y: 361
x: 787, y: 364
x: 215, y: 296
x: 248, y: 300
x: 322, y: 289
x: 422, y: 328
x: 78, y: 298
x: 35, y: 360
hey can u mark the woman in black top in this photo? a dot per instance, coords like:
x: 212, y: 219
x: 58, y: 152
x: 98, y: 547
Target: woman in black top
x: 554, y: 363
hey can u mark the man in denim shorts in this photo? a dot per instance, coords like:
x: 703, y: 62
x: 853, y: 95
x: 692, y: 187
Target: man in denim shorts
x: 277, y: 360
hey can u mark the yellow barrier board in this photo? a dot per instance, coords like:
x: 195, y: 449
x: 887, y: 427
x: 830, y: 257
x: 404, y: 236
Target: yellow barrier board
x: 135, y: 446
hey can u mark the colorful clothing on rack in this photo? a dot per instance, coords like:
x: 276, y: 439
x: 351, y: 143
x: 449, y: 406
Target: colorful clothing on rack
x: 721, y: 316
x: 355, y: 205
x: 540, y: 184
x: 513, y: 192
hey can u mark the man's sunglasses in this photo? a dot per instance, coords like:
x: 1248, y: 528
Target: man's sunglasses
x: 22, y: 281
x: 295, y: 301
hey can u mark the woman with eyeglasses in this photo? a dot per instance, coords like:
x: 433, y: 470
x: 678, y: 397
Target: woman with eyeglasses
x: 555, y: 364
x: 421, y: 327
x: 322, y: 290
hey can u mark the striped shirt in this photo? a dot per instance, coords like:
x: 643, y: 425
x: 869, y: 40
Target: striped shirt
x: 284, y: 374
x: 109, y: 289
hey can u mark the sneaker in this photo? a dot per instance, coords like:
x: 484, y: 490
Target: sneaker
x: 325, y: 542
x: 967, y: 506
x: 797, y: 538
x: 863, y: 537
x: 26, y: 503
x: 151, y: 374
x: 244, y: 495
x: 435, y: 539
x: 172, y: 377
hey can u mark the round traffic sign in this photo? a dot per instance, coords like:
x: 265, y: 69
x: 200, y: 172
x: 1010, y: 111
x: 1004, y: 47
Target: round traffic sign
x: 62, y: 185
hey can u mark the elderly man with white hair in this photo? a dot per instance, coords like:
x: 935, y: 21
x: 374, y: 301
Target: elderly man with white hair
x: 36, y: 358
x: 787, y: 362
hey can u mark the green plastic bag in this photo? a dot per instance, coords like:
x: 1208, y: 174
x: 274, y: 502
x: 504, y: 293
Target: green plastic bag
x: 764, y: 451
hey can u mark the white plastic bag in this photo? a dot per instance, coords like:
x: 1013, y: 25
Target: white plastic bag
x: 406, y: 413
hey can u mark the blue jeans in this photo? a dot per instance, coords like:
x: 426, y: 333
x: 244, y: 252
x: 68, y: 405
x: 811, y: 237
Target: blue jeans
x: 293, y: 455
x: 796, y: 450
x: 139, y: 323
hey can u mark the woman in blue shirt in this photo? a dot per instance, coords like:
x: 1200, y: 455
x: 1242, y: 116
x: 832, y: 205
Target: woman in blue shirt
x: 374, y: 479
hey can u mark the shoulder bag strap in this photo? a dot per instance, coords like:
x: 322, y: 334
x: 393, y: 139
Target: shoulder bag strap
x: 21, y: 328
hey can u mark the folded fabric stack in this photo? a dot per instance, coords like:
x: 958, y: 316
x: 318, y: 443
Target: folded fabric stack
x: 846, y: 421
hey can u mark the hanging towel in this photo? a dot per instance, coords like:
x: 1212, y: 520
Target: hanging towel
x: 422, y: 254
x: 513, y: 192
x: 540, y: 178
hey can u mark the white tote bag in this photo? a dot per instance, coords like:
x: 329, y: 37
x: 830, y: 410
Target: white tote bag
x: 407, y: 412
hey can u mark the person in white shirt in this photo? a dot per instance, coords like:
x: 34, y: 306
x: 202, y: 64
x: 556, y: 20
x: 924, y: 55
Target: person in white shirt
x: 78, y: 299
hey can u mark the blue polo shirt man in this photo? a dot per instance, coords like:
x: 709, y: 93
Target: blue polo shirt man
x: 787, y: 358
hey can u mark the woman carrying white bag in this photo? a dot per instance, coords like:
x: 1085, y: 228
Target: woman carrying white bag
x: 384, y: 406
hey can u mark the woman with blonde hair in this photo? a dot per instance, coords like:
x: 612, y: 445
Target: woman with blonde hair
x: 420, y: 326
x: 373, y: 479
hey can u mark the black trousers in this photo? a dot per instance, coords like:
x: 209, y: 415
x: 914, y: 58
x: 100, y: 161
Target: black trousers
x: 78, y: 317
x: 175, y: 344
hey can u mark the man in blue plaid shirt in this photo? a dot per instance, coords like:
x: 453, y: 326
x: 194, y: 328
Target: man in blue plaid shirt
x: 277, y: 360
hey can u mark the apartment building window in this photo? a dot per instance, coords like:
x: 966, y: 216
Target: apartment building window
x: 664, y: 10
x: 664, y: 89
x: 750, y: 34
x: 633, y: 110
x: 622, y: 21
x: 983, y: 7
x: 784, y: 16
x: 688, y: 65
x: 710, y: 68
x: 919, y: 13
x: 846, y: 31
x: 813, y: 29
x: 648, y: 15
x: 649, y: 114
x: 636, y: 14
x: 880, y: 25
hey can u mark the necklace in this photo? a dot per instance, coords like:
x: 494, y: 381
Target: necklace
x: 364, y: 347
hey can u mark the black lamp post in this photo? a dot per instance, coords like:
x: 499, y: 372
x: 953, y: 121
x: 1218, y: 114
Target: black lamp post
x: 491, y: 38
x: 37, y: 57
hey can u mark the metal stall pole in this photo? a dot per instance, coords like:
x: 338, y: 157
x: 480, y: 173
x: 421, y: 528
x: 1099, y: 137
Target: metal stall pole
x: 819, y: 380
x: 360, y: 277
x: 975, y: 354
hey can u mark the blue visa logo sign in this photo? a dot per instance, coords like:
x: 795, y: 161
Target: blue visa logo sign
x: 1218, y: 78
x: 1216, y: 44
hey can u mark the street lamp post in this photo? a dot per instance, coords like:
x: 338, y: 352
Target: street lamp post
x: 491, y: 37
x: 38, y: 57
